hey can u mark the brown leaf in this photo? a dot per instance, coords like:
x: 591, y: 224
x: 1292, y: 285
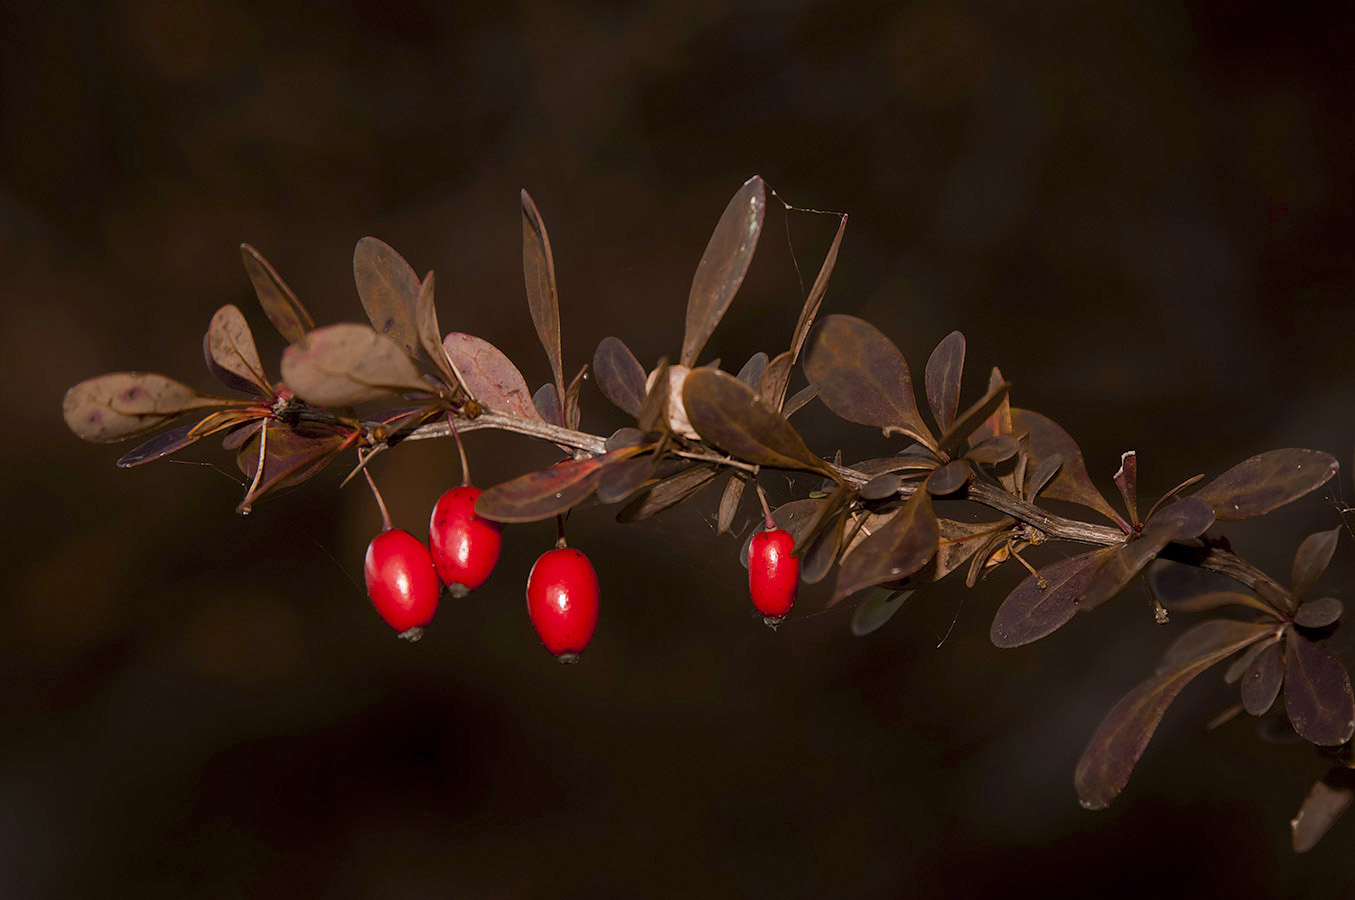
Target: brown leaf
x: 1328, y: 799
x: 541, y: 495
x: 547, y: 403
x: 1261, y: 682
x: 292, y: 455
x: 124, y: 405
x: 863, y: 378
x: 772, y: 384
x: 347, y: 364
x: 956, y: 543
x: 726, y: 413
x: 894, y: 552
x: 1266, y: 482
x: 489, y: 376
x: 571, y: 404
x: 619, y: 375
x: 802, y: 396
x: 538, y: 272
x: 653, y: 415
x: 1127, y: 482
x: 1170, y: 495
x: 389, y: 290
x: 1204, y: 638
x: 668, y: 493
x: 161, y: 445
x: 231, y: 354
x: 878, y: 608
x: 820, y: 553
x: 994, y: 450
x: 751, y: 373
x: 430, y: 334
x: 880, y: 487
x: 1000, y: 422
x: 1182, y: 520
x: 281, y: 306
x: 949, y: 478
x: 625, y: 437
x: 1072, y: 483
x: 1031, y: 612
x: 1115, y: 748
x: 816, y: 293
x: 1044, y: 472
x: 620, y: 480
x: 1317, y: 693
x: 1312, y: 559
x: 729, y: 502
x: 968, y: 422
x: 1319, y: 613
x: 723, y: 266
x: 944, y: 369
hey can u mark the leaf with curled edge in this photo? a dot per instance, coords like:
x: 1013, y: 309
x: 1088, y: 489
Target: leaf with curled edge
x: 571, y: 401
x: 729, y: 502
x: 1266, y: 482
x: 667, y: 493
x: 944, y: 369
x: 1072, y: 483
x: 430, y: 333
x: 1317, y: 693
x: 123, y: 405
x: 279, y: 303
x: 389, y: 291
x: 231, y: 356
x: 619, y: 375
x: 728, y: 414
x: 816, y: 295
x: 903, y: 546
x: 1312, y: 559
x: 1178, y: 521
x: 1329, y: 798
x: 490, y: 376
x: 863, y: 378
x: 1031, y: 612
x: 347, y: 364
x: 723, y: 266
x: 549, y: 492
x: 543, y: 299
x: 1123, y: 735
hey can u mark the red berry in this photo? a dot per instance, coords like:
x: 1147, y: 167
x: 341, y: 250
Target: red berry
x: 562, y: 601
x: 465, y: 547
x: 402, y: 582
x: 773, y: 573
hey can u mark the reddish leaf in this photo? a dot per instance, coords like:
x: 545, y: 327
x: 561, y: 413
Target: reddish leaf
x: 343, y: 365
x: 547, y: 403
x: 623, y: 478
x: 1204, y: 638
x: 726, y: 413
x: 231, y: 354
x: 668, y: 493
x: 863, y: 377
x: 816, y: 294
x: 1000, y: 422
x: 1261, y: 682
x: 541, y: 495
x: 1031, y: 612
x: 1182, y: 520
x: 968, y: 422
x: 1127, y: 481
x: 723, y: 266
x: 1044, y: 473
x: 994, y: 450
x: 538, y: 272
x: 124, y: 405
x: 1312, y: 559
x: 1170, y: 495
x: 430, y: 333
x: 1266, y: 482
x: 1317, y: 694
x: 956, y: 543
x: 896, y: 551
x: 878, y: 608
x: 1328, y: 799
x: 161, y: 445
x: 292, y: 455
x: 1072, y: 483
x: 619, y: 375
x: 944, y: 369
x: 1319, y: 613
x: 281, y: 306
x: 1115, y: 748
x: 489, y: 376
x: 389, y: 290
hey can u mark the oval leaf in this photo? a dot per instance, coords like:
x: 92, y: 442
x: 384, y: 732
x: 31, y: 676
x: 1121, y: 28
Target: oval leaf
x: 347, y: 364
x: 727, y: 413
x: 1181, y: 520
x: 547, y: 403
x: 281, y: 306
x: 949, y: 478
x: 231, y: 354
x: 878, y: 608
x: 863, y: 378
x: 1319, y: 613
x: 1072, y: 483
x: 1261, y: 682
x: 489, y: 376
x: 538, y: 273
x: 668, y: 493
x: 1031, y: 612
x: 751, y: 373
x: 1266, y: 482
x: 1317, y: 694
x: 123, y: 405
x: 623, y: 478
x: 619, y: 375
x: 389, y: 290
x: 723, y: 266
x: 944, y: 369
x: 541, y: 495
x: 729, y: 502
x: 896, y: 551
x: 1312, y: 559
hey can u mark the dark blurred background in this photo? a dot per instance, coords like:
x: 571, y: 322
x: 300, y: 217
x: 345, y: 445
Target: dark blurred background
x: 1141, y: 211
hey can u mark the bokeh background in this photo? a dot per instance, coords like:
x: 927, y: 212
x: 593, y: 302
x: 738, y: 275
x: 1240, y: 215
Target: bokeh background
x: 1141, y: 211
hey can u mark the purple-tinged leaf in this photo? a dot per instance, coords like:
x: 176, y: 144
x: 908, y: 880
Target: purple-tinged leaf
x: 772, y: 383
x: 944, y: 369
x: 1266, y: 482
x: 751, y: 373
x: 722, y: 266
x: 994, y: 450
x: 161, y: 445
x: 1317, y: 693
x: 1031, y: 612
x: 878, y: 608
x: 1171, y: 495
x: 1312, y: 559
x: 347, y: 364
x: 823, y: 515
x: 430, y: 333
x: 1072, y: 483
x: 727, y: 413
x: 820, y: 554
x: 1127, y: 480
x: 619, y: 375
x: 896, y: 551
x: 1239, y: 666
x: 880, y: 487
x: 949, y: 478
x: 797, y: 402
x: 623, y: 478
x: 292, y: 455
x: 541, y: 495
x: 1000, y: 422
x: 234, y: 439
x: 538, y: 273
x: 1319, y: 613
x: 667, y: 493
x: 863, y: 378
x: 1205, y: 638
x: 956, y: 543
x: 970, y: 421
x: 389, y: 290
x: 1043, y: 474
x: 729, y: 502
x: 489, y: 376
x: 547, y: 403
x: 624, y: 437
x: 1182, y: 520
x: 124, y: 405
x: 816, y: 294
x: 1115, y: 748
x: 231, y: 355
x: 653, y: 415
x: 281, y: 306
x: 1328, y: 799
x: 1261, y: 682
